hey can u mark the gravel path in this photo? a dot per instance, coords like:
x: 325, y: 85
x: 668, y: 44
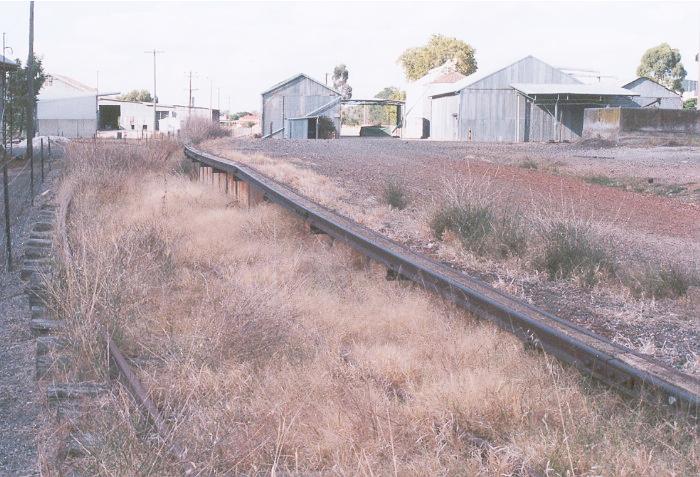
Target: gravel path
x: 668, y: 227
x: 19, y: 399
x: 646, y: 226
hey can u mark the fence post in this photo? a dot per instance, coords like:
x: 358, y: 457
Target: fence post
x: 30, y: 150
x: 42, y: 160
x: 49, y: 140
x: 6, y: 200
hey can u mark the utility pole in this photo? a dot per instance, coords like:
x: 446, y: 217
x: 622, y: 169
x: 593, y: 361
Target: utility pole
x: 30, y: 102
x: 211, y: 91
x: 189, y: 96
x: 155, y: 98
x: 5, y: 191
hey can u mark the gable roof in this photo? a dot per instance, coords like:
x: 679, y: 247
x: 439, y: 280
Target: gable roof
x: 640, y: 79
x: 475, y: 78
x: 294, y: 78
x: 451, y: 77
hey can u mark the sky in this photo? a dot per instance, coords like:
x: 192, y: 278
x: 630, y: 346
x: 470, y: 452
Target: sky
x: 236, y: 50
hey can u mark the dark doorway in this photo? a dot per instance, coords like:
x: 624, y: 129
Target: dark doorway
x: 109, y: 117
x: 312, y: 132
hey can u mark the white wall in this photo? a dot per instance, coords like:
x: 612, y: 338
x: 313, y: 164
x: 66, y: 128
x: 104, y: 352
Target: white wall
x: 65, y: 110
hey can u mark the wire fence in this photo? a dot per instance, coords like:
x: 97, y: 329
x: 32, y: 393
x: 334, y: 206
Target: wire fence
x: 25, y: 179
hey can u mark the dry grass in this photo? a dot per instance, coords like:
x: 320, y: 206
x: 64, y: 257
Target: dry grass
x: 272, y: 351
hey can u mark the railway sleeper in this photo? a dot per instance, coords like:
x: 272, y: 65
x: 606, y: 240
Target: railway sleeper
x: 36, y: 235
x: 43, y: 226
x: 29, y: 273
x: 80, y: 444
x: 36, y: 252
x: 44, y: 327
x: 56, y: 393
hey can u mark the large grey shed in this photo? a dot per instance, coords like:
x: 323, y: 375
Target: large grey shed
x: 291, y: 109
x: 653, y: 94
x: 528, y: 100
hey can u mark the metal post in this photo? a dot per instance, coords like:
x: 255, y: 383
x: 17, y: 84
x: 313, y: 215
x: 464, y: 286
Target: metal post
x: 49, y: 144
x: 155, y: 97
x: 42, y: 160
x: 30, y: 102
x: 556, y: 119
x: 5, y: 192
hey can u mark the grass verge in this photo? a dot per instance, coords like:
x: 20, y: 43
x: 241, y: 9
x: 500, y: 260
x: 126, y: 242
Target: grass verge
x: 270, y: 353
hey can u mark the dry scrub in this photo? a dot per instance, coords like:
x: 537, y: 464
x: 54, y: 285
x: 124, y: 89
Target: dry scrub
x: 271, y: 350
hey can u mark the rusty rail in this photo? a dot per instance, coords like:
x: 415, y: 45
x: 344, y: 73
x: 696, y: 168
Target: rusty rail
x: 626, y: 370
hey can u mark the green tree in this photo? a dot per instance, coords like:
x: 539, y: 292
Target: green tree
x: 137, y: 95
x: 663, y: 64
x: 16, y: 108
x: 391, y: 92
x: 418, y: 61
x: 690, y: 103
x: 340, y: 81
x: 386, y: 114
x: 326, y: 128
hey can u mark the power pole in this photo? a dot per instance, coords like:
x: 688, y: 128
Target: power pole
x: 211, y: 91
x: 5, y: 191
x: 30, y: 101
x: 155, y: 98
x: 189, y: 97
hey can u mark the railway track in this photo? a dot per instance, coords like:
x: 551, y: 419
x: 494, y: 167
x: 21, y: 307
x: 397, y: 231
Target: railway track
x: 117, y: 359
x: 625, y: 370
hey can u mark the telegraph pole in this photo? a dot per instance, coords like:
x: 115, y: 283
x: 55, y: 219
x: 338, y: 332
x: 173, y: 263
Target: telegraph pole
x: 211, y: 93
x: 30, y: 101
x: 155, y: 98
x: 5, y: 191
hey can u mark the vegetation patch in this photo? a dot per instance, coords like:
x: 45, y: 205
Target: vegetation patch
x: 603, y: 181
x: 481, y: 230
x: 661, y: 281
x: 529, y: 164
x: 572, y: 250
x: 395, y: 195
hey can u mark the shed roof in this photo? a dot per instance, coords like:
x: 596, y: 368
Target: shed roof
x: 451, y: 77
x: 472, y: 79
x: 596, y: 89
x: 294, y: 78
x: 640, y: 79
x: 7, y: 63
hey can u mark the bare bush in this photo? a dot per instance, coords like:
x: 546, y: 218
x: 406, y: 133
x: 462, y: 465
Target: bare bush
x: 196, y: 130
x: 395, y: 195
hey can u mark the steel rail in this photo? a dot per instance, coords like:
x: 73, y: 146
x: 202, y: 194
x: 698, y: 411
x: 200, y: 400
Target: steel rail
x: 626, y: 370
x: 117, y: 358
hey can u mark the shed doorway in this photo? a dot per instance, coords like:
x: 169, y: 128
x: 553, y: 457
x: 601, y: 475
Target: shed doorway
x: 109, y: 117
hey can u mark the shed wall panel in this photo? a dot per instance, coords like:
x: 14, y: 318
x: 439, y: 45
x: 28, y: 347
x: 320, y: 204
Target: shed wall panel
x: 293, y: 100
x: 445, y: 114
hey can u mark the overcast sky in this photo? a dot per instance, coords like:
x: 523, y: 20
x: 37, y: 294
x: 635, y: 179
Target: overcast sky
x: 247, y: 47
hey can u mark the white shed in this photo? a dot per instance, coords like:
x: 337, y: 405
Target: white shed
x: 66, y: 107
x: 418, y: 116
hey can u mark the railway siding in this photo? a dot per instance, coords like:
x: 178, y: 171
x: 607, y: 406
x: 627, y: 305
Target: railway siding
x: 626, y: 370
